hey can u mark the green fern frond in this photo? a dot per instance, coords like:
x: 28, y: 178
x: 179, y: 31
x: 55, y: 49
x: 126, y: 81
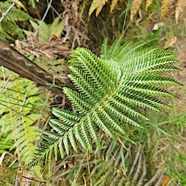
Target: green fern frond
x: 19, y: 108
x: 8, y: 26
x: 28, y: 135
x: 110, y: 89
x: 14, y: 14
x: 11, y: 28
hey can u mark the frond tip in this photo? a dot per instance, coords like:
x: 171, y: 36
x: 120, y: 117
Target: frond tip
x: 109, y: 90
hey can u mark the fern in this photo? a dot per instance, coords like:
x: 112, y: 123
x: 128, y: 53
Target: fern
x: 17, y: 116
x: 97, y: 5
x: 136, y: 4
x: 14, y: 14
x: 148, y: 3
x: 180, y: 6
x: 46, y: 31
x: 11, y: 28
x: 8, y: 25
x: 165, y: 7
x: 135, y: 7
x: 109, y: 90
x: 113, y: 5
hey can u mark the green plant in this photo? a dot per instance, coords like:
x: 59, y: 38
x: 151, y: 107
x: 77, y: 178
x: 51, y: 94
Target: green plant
x: 118, y: 166
x: 19, y: 111
x: 114, y: 164
x: 110, y: 89
x: 46, y: 31
x: 9, y: 25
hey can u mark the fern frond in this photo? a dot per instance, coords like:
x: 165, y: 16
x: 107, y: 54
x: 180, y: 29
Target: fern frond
x: 134, y: 8
x: 165, y: 7
x: 110, y: 89
x: 97, y: 5
x: 14, y: 14
x: 152, y: 60
x: 115, y: 48
x: 113, y: 5
x: 120, y: 52
x: 180, y: 6
x: 11, y: 28
x: 148, y: 3
x: 28, y: 135
x: 155, y: 80
x: 19, y: 117
x: 104, y: 48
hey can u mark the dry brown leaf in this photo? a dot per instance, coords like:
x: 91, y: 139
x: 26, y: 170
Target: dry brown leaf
x: 170, y: 42
x: 148, y: 3
x: 181, y: 4
x: 165, y: 7
x: 97, y: 5
x: 113, y: 5
x: 134, y: 8
x: 165, y: 180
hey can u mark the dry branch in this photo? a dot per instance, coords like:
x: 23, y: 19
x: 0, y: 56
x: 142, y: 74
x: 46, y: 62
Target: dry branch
x: 18, y: 63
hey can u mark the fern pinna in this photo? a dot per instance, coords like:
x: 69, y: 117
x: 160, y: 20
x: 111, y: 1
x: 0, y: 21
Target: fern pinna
x: 109, y: 89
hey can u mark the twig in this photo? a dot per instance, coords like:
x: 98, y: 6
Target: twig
x: 6, y: 82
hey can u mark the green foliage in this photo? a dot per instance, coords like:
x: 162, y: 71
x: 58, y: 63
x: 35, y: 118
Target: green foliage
x: 8, y: 26
x: 110, y: 89
x: 46, y: 31
x: 33, y: 2
x: 14, y: 14
x: 129, y: 71
x: 18, y: 112
x: 115, y: 163
x: 118, y: 166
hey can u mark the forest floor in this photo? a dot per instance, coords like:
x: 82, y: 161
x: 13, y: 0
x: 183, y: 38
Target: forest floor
x: 180, y: 46
x: 178, y: 126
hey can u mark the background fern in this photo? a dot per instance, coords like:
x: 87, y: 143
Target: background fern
x: 110, y: 89
x: 8, y: 27
x: 18, y: 113
x: 165, y: 7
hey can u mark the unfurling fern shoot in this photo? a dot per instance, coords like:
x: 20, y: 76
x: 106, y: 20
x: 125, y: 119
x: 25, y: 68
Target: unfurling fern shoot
x: 109, y: 89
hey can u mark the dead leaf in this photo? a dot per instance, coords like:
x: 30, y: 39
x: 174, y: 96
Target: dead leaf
x: 165, y: 180
x: 170, y: 42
